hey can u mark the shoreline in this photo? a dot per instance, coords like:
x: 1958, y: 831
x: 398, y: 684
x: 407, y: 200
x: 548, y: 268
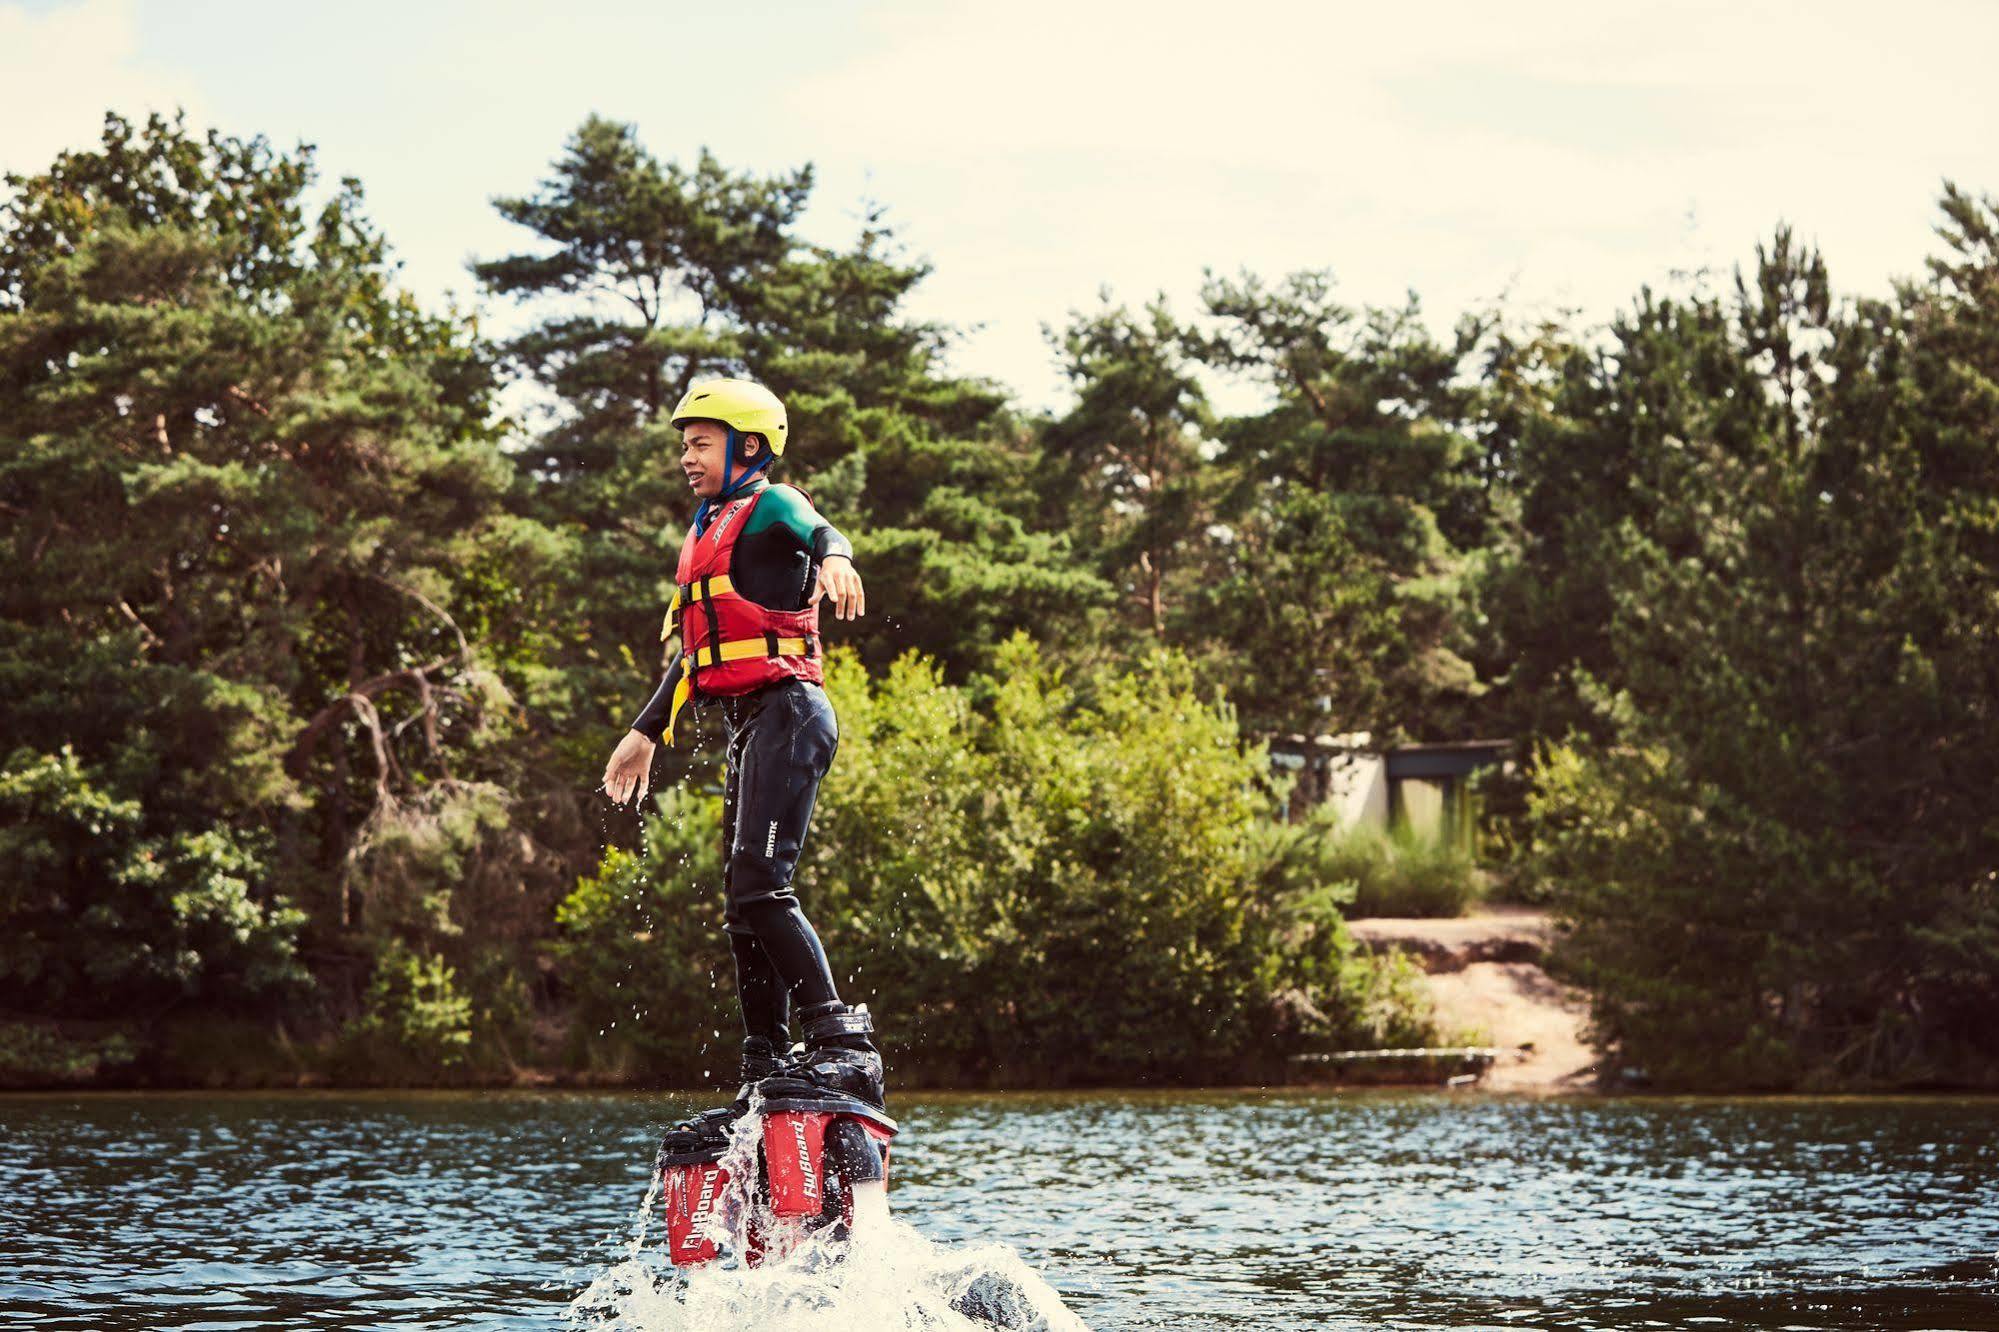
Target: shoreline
x: 1483, y: 972
x: 1487, y: 981
x: 1296, y: 1091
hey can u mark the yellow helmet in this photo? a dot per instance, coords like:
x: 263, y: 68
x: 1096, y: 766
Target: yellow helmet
x: 743, y: 405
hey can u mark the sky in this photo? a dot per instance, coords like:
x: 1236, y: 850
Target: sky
x: 1554, y: 155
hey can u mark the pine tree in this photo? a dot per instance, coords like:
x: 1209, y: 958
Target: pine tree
x: 240, y: 472
x: 1778, y: 859
x: 653, y: 275
x: 1365, y: 484
x: 1125, y: 472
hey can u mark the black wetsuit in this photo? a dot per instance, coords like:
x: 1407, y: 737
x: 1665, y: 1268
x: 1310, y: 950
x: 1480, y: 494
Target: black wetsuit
x: 782, y: 738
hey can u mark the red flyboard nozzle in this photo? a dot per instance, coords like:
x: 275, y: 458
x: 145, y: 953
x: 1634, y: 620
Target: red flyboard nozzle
x: 794, y: 1155
x: 691, y: 1194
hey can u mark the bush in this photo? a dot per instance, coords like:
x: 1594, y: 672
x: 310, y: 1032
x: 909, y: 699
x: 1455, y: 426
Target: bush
x: 416, y: 1027
x: 1725, y: 949
x: 102, y: 914
x: 36, y: 1054
x: 219, y: 1050
x: 643, y: 956
x: 1392, y: 873
x: 1069, y: 885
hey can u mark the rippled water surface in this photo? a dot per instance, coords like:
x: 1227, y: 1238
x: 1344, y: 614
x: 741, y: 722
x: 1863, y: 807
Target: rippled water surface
x: 1145, y: 1211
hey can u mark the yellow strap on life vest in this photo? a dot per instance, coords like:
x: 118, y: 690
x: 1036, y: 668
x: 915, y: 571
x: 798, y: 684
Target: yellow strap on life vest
x: 737, y: 649
x: 699, y: 590
x: 681, y: 693
x: 734, y: 650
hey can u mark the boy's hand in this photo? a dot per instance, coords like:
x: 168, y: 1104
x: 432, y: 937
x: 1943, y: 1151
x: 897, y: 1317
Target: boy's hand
x: 629, y: 773
x: 842, y: 586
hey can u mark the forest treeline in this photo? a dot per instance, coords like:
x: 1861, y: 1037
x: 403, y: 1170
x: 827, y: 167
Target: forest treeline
x: 325, y: 610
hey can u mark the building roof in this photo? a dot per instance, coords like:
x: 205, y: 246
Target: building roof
x: 1446, y: 759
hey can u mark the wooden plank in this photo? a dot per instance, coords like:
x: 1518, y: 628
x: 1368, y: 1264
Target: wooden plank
x: 1485, y: 1052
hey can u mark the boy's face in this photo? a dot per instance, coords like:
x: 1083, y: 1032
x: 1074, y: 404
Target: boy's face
x: 704, y: 449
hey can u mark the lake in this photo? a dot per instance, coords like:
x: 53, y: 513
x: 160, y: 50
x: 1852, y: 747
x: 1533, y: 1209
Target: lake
x: 1179, y: 1210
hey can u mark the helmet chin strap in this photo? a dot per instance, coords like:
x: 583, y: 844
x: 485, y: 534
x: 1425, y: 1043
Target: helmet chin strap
x: 733, y: 458
x: 731, y: 483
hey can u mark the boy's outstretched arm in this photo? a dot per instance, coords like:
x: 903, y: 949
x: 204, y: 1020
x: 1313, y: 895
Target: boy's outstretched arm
x: 788, y: 510
x: 839, y: 580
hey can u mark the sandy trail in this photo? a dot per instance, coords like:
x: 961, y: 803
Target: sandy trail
x: 1485, y: 977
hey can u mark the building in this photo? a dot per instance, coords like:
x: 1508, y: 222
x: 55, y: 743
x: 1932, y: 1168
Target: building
x: 1425, y: 787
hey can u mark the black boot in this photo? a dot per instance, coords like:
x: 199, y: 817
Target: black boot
x: 838, y: 1059
x: 762, y: 1057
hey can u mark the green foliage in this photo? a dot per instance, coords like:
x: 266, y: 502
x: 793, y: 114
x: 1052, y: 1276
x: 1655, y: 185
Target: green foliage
x: 643, y: 955
x: 425, y: 867
x: 1362, y: 502
x: 1390, y: 872
x: 103, y: 918
x: 243, y: 474
x: 1780, y: 867
x: 1305, y: 626
x: 1126, y: 474
x: 300, y: 663
x: 218, y: 1049
x: 37, y: 1054
x: 1099, y: 912
x: 1069, y: 885
x: 415, y: 1024
x: 1339, y: 996
x: 1324, y: 556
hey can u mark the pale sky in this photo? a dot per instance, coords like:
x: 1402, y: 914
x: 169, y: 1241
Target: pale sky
x: 1560, y: 153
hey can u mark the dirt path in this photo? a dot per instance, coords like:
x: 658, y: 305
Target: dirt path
x: 1485, y: 976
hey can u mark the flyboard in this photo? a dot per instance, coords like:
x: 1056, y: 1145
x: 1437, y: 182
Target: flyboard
x: 807, y: 1151
x: 784, y: 1177
x: 806, y: 1165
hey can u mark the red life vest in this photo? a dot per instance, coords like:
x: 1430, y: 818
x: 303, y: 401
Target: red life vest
x: 730, y: 644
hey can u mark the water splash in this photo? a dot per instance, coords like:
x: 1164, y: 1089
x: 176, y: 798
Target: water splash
x: 888, y: 1278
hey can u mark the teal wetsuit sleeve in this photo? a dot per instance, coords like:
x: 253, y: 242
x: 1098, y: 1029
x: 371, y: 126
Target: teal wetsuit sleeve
x: 788, y: 508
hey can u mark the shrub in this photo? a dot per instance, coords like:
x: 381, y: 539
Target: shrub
x: 101, y: 913
x: 1071, y: 884
x: 36, y: 1054
x: 643, y: 956
x: 1395, y: 873
x: 416, y: 1026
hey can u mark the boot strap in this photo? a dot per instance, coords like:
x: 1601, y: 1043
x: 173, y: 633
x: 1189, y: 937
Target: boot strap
x: 853, y: 1022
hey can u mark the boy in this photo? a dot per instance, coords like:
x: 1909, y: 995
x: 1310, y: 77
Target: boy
x: 752, y: 570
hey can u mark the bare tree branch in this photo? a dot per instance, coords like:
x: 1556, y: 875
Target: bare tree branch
x: 385, y: 761
x: 361, y: 693
x: 464, y: 649
x: 152, y: 639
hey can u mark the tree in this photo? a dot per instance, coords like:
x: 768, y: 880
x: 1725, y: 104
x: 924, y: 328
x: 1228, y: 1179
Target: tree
x: 1302, y: 625
x: 1124, y: 466
x: 1564, y: 485
x: 1366, y: 476
x: 1776, y: 862
x: 240, y: 472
